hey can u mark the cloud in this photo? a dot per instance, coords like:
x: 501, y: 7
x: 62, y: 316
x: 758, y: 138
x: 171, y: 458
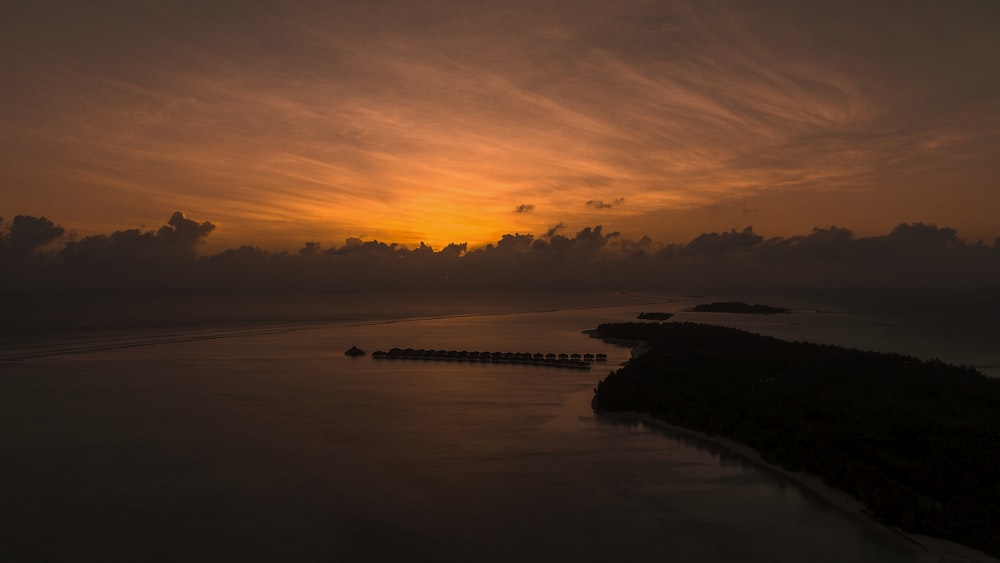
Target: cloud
x: 455, y: 249
x: 598, y: 204
x: 555, y: 229
x: 355, y: 245
x: 524, y: 208
x: 920, y: 238
x: 250, y: 255
x: 636, y: 248
x: 724, y: 243
x: 310, y: 248
x: 26, y: 234
x: 911, y: 254
x: 905, y: 241
x: 172, y: 242
x: 670, y: 104
x: 184, y: 232
x: 587, y: 242
x: 830, y: 243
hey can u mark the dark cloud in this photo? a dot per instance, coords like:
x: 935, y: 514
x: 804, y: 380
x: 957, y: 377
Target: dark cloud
x: 822, y: 244
x: 907, y: 240
x: 724, y: 243
x: 243, y: 255
x: 912, y: 254
x: 598, y: 204
x: 172, y: 242
x: 635, y: 248
x: 555, y: 229
x: 455, y: 249
x: 26, y: 234
x: 310, y: 249
x: 515, y: 243
x: 354, y: 245
x: 587, y: 242
x: 919, y: 238
x: 524, y: 208
x: 184, y: 232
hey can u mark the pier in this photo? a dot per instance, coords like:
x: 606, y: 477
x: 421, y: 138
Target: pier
x: 568, y: 361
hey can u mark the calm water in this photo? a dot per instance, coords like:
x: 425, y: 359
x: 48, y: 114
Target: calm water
x: 245, y: 433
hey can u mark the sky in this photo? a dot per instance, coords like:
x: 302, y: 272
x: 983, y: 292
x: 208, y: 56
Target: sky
x: 446, y: 121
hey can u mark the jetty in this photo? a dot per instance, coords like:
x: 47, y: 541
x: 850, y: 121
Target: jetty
x: 568, y: 361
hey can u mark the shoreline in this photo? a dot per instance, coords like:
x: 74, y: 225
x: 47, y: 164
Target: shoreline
x: 933, y: 549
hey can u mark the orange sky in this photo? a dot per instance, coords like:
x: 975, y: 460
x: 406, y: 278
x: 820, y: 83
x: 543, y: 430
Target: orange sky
x: 283, y: 122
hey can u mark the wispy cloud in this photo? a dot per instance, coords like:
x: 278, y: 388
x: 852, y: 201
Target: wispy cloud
x: 428, y: 121
x: 598, y: 204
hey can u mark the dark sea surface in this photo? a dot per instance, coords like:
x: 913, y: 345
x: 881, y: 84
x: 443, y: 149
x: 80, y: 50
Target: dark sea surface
x: 189, y: 427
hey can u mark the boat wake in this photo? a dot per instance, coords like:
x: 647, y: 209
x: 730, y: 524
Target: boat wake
x: 114, y: 339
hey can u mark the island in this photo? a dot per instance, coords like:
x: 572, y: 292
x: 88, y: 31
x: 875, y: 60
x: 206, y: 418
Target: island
x: 917, y: 442
x: 738, y: 307
x: 654, y: 316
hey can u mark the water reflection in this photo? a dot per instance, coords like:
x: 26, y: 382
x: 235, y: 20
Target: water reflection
x: 725, y: 456
x: 769, y: 493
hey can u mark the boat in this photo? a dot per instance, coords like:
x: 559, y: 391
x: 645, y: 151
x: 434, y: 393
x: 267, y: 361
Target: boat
x: 354, y: 351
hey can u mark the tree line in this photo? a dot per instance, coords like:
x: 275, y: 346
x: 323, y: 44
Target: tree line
x: 917, y: 441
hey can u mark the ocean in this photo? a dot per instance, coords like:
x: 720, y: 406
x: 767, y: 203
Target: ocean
x: 194, y: 427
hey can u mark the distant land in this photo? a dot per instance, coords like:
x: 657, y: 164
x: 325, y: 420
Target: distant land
x: 654, y: 316
x: 738, y: 307
x: 918, y: 442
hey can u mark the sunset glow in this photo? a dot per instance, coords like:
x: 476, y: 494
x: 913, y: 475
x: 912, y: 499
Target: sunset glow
x: 289, y: 122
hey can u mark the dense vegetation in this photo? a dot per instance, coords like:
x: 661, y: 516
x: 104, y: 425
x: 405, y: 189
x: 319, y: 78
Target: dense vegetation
x: 738, y: 307
x: 654, y: 316
x: 917, y: 441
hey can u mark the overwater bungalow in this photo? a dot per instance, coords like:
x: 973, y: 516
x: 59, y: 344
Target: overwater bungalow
x: 573, y: 361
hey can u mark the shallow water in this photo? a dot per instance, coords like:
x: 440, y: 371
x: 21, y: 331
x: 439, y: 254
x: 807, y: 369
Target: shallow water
x: 957, y: 327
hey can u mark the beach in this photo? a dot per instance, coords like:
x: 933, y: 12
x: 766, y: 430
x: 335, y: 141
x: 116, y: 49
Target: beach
x: 935, y: 550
